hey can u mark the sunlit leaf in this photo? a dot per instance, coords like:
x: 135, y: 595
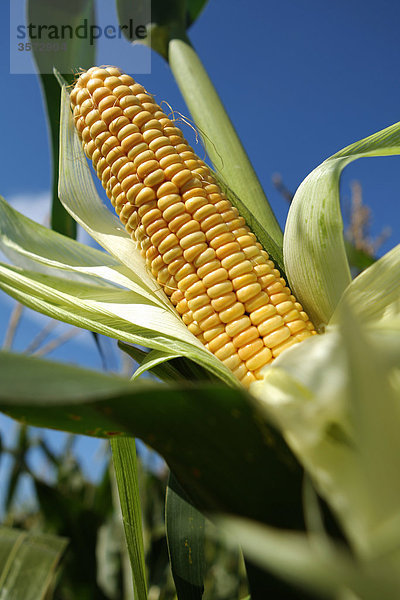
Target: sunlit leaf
x: 308, y: 562
x: 163, y: 370
x: 375, y: 294
x: 152, y: 360
x: 115, y: 312
x: 37, y: 248
x: 335, y: 399
x: 314, y: 249
x: 164, y: 366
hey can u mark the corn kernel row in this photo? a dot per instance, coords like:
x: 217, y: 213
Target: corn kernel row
x: 195, y: 243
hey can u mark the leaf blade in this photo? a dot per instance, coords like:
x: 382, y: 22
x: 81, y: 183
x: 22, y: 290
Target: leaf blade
x: 314, y: 249
x: 185, y: 537
x: 124, y: 460
x: 120, y: 314
x: 27, y: 563
x: 188, y: 424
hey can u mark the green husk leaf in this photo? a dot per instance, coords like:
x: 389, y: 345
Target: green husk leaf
x: 323, y: 397
x: 151, y: 360
x: 114, y: 312
x: 40, y: 250
x: 37, y: 248
x: 163, y: 370
x: 77, y: 53
x: 309, y: 563
x: 189, y: 425
x: 375, y: 294
x: 125, y: 464
x: 375, y: 435
x: 174, y: 369
x: 314, y: 248
x: 28, y: 562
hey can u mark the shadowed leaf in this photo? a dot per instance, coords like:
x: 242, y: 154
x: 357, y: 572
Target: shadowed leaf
x: 190, y: 425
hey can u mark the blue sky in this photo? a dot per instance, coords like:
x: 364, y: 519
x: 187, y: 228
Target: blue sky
x: 300, y: 80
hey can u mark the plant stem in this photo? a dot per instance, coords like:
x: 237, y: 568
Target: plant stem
x: 218, y: 134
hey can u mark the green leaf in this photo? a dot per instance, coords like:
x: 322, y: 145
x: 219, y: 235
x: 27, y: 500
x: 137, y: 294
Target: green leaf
x: 185, y: 536
x: 61, y: 221
x: 163, y: 370
x: 208, y: 433
x: 308, y: 562
x: 27, y: 563
x: 117, y: 313
x: 314, y: 248
x: 164, y: 366
x: 69, y: 57
x: 358, y: 259
x: 376, y: 436
x: 336, y: 400
x: 167, y: 366
x: 37, y: 248
x: 124, y: 459
x: 151, y: 360
x: 193, y: 10
x: 375, y: 294
x: 163, y: 20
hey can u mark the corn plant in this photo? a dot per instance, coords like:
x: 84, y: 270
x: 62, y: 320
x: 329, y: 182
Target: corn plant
x: 305, y: 436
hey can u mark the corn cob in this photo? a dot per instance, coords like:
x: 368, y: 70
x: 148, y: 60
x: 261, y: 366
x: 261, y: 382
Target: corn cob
x: 195, y: 243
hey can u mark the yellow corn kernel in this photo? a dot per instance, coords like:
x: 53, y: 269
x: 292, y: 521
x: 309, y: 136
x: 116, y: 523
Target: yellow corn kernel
x: 196, y: 244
